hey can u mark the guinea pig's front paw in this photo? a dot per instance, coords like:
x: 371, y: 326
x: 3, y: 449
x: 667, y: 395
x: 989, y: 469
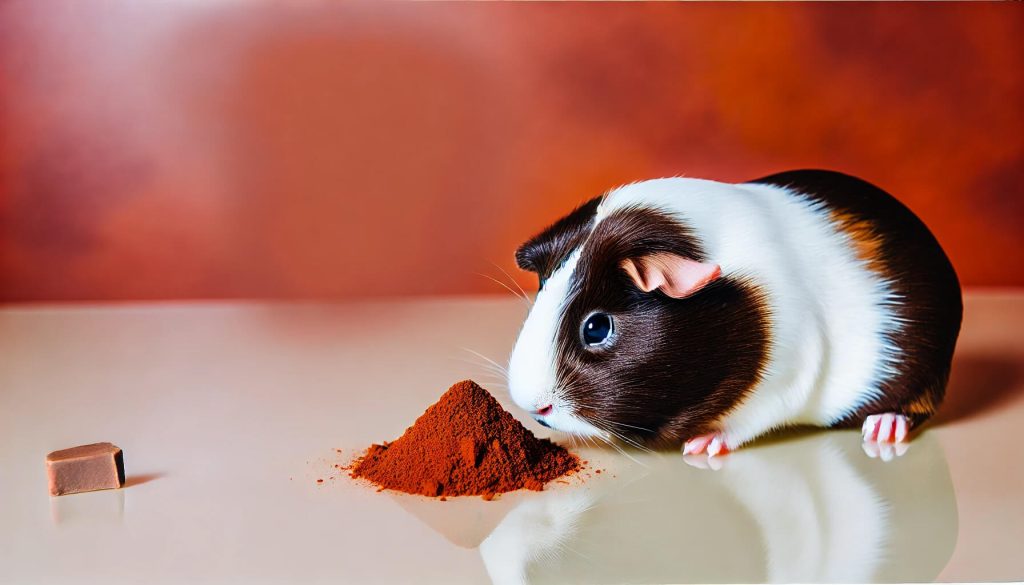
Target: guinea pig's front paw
x: 706, y: 451
x: 712, y: 443
x: 885, y: 435
x: 888, y: 427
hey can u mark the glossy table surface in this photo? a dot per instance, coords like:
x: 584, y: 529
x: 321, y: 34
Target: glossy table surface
x: 229, y: 413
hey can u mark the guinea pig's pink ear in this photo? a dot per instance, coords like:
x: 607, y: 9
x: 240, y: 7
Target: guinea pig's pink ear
x: 672, y: 274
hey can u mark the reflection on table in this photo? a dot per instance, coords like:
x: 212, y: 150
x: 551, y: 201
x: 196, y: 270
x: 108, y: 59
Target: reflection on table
x: 810, y: 508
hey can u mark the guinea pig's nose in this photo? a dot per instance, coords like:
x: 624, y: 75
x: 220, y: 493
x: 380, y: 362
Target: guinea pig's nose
x: 543, y: 411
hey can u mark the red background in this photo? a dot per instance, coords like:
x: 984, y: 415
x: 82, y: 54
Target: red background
x: 207, y: 150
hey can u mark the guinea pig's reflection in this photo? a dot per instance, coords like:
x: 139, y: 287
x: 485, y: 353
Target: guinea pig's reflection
x: 809, y: 509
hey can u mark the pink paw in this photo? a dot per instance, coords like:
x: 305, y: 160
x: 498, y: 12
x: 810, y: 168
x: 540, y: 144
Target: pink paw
x: 886, y: 428
x: 885, y: 435
x: 712, y: 443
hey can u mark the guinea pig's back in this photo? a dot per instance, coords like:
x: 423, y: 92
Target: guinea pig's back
x: 895, y: 244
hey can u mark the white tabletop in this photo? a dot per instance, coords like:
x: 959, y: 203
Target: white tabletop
x: 228, y: 413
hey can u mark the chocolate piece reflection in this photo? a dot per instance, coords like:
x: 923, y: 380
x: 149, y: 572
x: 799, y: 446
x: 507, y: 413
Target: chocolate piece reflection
x: 808, y: 509
x: 100, y: 507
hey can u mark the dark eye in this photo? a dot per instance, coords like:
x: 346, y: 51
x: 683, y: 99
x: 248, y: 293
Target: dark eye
x: 597, y: 329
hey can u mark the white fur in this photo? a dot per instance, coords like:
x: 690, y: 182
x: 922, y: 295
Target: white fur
x: 532, y: 378
x: 829, y: 318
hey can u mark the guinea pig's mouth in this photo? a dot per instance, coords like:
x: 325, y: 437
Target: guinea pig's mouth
x: 564, y: 420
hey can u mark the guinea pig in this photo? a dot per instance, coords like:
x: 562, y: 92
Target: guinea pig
x: 690, y: 312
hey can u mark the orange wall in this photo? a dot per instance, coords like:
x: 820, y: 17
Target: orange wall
x: 222, y: 149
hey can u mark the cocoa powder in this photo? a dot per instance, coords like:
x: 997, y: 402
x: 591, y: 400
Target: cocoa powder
x: 466, y: 444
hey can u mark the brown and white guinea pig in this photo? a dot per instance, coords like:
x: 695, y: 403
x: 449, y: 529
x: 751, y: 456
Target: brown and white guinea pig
x: 684, y: 311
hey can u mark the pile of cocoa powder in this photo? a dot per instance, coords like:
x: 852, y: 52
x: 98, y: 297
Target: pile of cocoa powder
x: 466, y: 444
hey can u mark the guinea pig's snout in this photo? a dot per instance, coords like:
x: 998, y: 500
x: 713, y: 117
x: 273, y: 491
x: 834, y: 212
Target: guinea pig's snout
x: 540, y: 413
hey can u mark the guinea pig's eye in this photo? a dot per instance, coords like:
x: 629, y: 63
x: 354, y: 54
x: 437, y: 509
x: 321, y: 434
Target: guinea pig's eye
x: 597, y: 329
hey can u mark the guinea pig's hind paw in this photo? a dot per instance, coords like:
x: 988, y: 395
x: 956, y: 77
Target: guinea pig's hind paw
x: 888, y: 427
x: 712, y: 443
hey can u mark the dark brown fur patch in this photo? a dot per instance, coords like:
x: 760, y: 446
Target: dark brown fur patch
x: 546, y: 251
x: 675, y: 365
x: 897, y: 246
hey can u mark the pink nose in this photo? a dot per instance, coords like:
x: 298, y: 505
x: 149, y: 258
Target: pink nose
x: 544, y: 410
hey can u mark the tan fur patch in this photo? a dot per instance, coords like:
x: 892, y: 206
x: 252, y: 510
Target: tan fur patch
x: 864, y: 237
x: 922, y: 405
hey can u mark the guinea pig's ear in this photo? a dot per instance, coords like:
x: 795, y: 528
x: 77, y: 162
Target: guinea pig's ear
x: 672, y: 274
x: 543, y: 252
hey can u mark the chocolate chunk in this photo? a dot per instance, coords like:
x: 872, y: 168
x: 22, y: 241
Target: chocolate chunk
x: 99, y: 466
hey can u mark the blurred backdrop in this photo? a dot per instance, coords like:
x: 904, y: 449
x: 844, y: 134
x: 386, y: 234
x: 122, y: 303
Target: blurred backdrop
x: 223, y: 149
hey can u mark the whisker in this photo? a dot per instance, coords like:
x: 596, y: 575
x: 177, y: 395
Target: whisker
x: 487, y: 373
x: 483, y: 371
x: 489, y: 360
x: 620, y: 450
x: 525, y: 295
x: 489, y: 382
x: 601, y: 425
x: 490, y: 367
x: 630, y: 426
x: 496, y: 374
x: 588, y: 441
x: 567, y: 547
x: 507, y: 287
x: 626, y: 440
x: 611, y: 443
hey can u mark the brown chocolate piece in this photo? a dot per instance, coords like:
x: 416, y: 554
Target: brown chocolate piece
x: 99, y: 466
